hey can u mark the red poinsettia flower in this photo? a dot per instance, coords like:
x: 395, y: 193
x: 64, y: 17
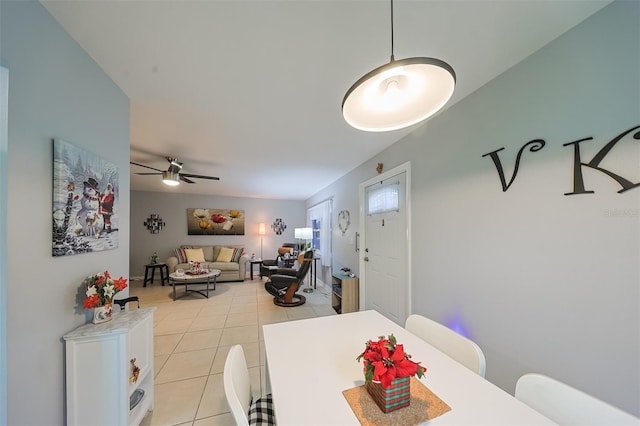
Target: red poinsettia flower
x: 385, y: 361
x: 120, y: 284
x: 92, y: 301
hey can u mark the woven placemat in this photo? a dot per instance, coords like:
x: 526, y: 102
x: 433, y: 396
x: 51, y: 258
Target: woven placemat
x: 425, y: 405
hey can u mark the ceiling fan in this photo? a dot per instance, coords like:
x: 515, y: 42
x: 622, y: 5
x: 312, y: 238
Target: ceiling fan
x: 173, y: 176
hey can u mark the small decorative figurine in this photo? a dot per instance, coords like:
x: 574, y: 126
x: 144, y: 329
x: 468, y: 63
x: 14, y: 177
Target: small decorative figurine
x: 135, y: 371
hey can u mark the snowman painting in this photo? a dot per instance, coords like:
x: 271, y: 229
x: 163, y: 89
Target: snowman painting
x: 88, y: 217
x: 85, y: 201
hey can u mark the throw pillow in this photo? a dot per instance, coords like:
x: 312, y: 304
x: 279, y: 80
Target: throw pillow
x: 194, y: 255
x: 225, y: 254
x: 261, y: 412
x: 237, y: 253
x: 181, y: 255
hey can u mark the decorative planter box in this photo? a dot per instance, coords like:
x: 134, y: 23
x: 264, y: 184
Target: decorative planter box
x: 396, y: 396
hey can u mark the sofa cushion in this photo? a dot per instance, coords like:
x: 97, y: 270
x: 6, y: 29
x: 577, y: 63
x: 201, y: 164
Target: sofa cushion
x: 237, y: 253
x: 225, y: 254
x: 215, y: 250
x: 208, y: 253
x: 224, y: 266
x: 194, y: 255
x: 181, y: 255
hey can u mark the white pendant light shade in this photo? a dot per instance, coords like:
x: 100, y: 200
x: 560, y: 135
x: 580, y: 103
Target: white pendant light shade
x: 399, y: 94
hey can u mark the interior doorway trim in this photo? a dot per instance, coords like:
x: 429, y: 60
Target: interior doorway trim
x: 402, y: 168
x: 4, y: 154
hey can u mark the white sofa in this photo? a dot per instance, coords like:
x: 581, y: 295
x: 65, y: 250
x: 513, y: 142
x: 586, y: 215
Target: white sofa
x: 229, y: 271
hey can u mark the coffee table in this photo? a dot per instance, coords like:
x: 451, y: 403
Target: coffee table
x: 187, y: 280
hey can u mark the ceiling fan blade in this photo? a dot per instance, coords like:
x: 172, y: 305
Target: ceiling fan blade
x: 184, y: 179
x: 200, y: 176
x: 147, y: 174
x: 142, y: 165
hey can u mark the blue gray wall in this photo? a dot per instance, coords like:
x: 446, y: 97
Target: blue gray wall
x: 542, y: 281
x: 56, y: 91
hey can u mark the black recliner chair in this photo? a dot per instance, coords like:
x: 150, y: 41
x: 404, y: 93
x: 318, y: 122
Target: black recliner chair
x: 285, y: 283
x: 285, y: 259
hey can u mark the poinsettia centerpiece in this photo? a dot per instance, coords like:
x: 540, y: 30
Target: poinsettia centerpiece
x: 385, y: 360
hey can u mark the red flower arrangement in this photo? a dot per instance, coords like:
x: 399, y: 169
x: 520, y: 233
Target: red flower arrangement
x: 385, y: 361
x: 101, y: 288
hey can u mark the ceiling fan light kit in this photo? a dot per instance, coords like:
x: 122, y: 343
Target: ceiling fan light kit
x: 398, y: 94
x: 169, y: 178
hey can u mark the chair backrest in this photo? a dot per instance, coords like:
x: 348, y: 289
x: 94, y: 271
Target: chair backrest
x: 458, y: 347
x: 237, y: 385
x: 123, y: 302
x: 305, y: 264
x: 566, y: 405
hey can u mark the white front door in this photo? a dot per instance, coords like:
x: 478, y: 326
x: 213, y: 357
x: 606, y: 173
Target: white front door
x: 386, y: 248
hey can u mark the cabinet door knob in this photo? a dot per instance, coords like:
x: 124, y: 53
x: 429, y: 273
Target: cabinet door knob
x: 366, y: 258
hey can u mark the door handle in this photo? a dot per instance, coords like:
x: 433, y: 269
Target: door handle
x: 366, y: 258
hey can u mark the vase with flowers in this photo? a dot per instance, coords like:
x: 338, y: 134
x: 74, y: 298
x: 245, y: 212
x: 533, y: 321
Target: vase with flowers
x: 387, y: 371
x: 100, y: 289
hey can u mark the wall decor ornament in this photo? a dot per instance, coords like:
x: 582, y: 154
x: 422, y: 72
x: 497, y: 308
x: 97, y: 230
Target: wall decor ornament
x: 215, y: 222
x: 85, y: 201
x: 278, y: 226
x: 536, y: 145
x: 344, y: 220
x: 154, y: 223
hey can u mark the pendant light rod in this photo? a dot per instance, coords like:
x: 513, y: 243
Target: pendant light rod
x: 392, y: 57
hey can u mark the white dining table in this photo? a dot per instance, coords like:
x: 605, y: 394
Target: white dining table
x: 310, y: 362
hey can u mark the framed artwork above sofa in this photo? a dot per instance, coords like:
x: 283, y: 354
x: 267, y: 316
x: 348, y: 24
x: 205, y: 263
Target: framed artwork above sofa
x: 215, y: 221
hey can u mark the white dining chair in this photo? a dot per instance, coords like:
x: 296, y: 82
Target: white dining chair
x: 458, y: 347
x: 237, y: 389
x: 566, y: 405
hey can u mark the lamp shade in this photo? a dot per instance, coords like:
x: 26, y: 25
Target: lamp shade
x: 399, y: 94
x: 262, y: 229
x: 170, y: 178
x: 303, y: 233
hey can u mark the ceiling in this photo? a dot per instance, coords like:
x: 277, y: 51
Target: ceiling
x: 251, y: 91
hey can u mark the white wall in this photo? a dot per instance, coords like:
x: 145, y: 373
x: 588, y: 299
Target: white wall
x: 542, y: 281
x: 56, y: 91
x: 173, y: 210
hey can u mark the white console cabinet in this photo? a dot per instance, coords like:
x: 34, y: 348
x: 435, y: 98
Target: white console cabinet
x: 98, y: 364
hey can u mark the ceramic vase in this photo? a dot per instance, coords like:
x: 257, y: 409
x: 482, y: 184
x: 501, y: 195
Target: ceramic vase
x: 394, y: 397
x: 102, y: 313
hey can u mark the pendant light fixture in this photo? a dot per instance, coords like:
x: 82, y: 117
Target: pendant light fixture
x: 398, y: 94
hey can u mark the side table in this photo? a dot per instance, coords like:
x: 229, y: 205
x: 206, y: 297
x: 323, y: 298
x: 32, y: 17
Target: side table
x: 164, y: 273
x: 255, y: 262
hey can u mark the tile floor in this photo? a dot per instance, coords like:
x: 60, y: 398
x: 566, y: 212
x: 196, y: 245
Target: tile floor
x: 192, y: 336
